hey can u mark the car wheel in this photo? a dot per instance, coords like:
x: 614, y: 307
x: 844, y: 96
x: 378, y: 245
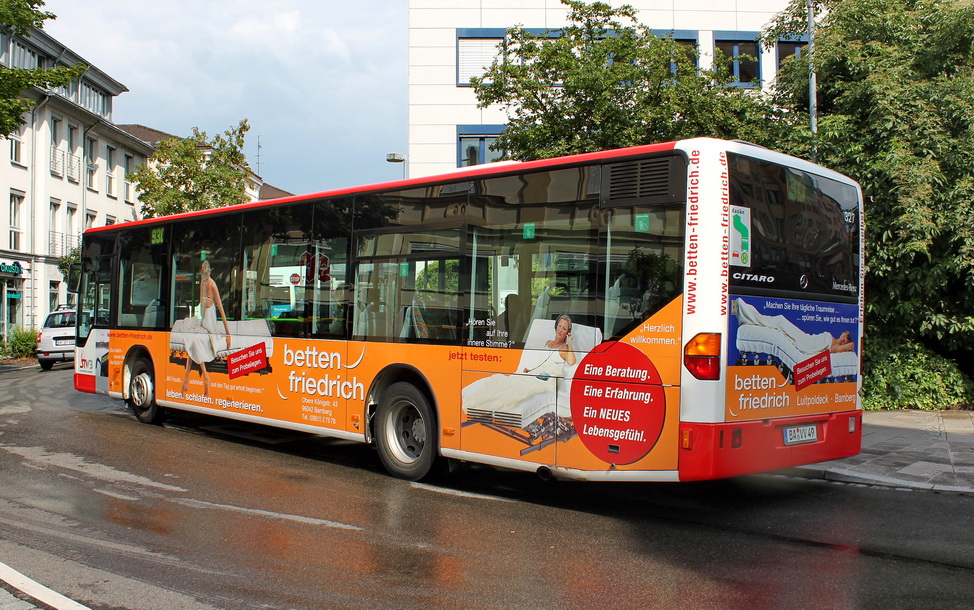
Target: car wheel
x: 46, y: 364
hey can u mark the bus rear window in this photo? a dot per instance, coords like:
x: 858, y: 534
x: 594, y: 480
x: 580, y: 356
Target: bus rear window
x: 792, y: 231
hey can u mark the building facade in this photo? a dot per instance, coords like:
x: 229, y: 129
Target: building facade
x: 452, y: 40
x: 61, y: 173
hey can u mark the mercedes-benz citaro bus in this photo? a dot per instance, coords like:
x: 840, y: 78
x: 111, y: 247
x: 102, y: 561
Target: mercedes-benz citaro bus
x: 673, y: 312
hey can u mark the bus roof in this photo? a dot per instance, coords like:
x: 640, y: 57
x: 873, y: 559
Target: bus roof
x: 478, y: 171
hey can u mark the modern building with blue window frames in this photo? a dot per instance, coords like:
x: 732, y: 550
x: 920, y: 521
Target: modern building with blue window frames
x: 451, y: 41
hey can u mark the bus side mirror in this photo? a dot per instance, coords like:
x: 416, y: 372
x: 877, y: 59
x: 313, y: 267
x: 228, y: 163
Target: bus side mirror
x: 74, y: 278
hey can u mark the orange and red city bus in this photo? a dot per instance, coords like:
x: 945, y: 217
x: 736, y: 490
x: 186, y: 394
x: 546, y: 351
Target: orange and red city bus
x: 681, y: 311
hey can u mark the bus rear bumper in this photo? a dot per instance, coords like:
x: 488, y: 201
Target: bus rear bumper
x: 714, y: 451
x: 84, y: 383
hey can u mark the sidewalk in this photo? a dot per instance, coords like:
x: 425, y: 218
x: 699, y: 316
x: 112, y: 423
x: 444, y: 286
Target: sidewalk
x: 930, y: 450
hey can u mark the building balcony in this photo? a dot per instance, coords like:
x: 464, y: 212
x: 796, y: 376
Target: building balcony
x: 74, y: 168
x: 57, y: 162
x: 61, y: 244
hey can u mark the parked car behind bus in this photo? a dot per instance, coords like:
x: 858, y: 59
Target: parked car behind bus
x: 55, y: 343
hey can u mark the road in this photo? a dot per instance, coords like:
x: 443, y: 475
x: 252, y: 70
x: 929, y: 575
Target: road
x: 204, y: 513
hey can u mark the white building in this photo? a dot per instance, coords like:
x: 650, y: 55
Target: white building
x: 63, y: 172
x: 452, y: 40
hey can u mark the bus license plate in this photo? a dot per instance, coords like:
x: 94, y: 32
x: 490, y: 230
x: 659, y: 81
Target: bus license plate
x: 801, y: 434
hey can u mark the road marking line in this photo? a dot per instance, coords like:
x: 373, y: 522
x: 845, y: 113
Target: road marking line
x: 36, y: 590
x: 267, y: 513
x: 458, y: 493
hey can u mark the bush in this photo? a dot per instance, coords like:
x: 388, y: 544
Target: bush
x: 904, y: 374
x: 21, y: 343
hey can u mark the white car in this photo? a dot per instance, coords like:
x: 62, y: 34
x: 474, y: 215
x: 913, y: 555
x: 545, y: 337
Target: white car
x: 55, y: 343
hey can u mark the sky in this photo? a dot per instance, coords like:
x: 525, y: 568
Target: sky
x: 322, y: 82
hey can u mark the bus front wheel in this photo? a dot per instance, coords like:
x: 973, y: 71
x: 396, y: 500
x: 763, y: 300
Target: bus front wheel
x: 405, y: 432
x: 142, y: 393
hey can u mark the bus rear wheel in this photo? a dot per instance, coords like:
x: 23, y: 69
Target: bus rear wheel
x: 405, y: 432
x: 142, y: 393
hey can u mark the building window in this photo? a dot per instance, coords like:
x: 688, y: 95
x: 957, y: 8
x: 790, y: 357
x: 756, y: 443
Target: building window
x: 16, y: 149
x: 57, y: 155
x: 110, y: 171
x: 16, y: 203
x: 70, y: 226
x: 740, y: 58
x: 92, y: 160
x: 129, y: 168
x: 474, y: 144
x: 476, y: 50
x: 109, y: 221
x: 90, y: 219
x: 688, y: 48
x: 74, y: 160
x: 55, y: 241
x: 55, y: 294
x: 95, y: 100
x: 788, y: 49
x: 687, y: 41
x: 24, y: 57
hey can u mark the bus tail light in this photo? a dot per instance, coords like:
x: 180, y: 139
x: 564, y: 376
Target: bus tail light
x: 701, y: 356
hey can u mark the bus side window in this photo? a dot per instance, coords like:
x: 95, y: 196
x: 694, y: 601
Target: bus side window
x: 643, y: 267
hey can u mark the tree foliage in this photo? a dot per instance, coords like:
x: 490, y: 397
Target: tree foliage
x: 605, y: 81
x: 18, y: 17
x: 896, y: 97
x: 195, y: 173
x: 903, y: 373
x: 64, y: 262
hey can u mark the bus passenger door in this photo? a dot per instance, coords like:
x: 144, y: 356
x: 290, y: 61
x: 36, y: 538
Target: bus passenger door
x: 91, y: 340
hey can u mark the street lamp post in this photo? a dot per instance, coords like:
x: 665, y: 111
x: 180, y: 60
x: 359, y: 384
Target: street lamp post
x: 398, y: 158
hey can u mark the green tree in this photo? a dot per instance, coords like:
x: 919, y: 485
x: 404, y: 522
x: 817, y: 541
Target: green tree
x: 605, y: 81
x: 19, y: 17
x: 195, y: 173
x: 896, y: 104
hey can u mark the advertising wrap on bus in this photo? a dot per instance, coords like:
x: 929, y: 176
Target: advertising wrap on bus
x: 610, y: 406
x: 789, y: 357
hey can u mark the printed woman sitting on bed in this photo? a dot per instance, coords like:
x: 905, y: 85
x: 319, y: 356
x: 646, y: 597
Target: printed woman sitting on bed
x: 204, y: 341
x: 807, y: 343
x: 497, y: 391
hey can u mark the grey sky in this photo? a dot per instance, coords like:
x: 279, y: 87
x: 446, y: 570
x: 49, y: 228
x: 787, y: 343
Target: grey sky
x: 322, y: 82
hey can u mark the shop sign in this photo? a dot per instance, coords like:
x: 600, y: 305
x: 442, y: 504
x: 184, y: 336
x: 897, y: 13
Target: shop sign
x: 12, y: 268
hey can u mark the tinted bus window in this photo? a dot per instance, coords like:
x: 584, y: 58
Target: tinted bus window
x: 792, y: 230
x: 533, y: 253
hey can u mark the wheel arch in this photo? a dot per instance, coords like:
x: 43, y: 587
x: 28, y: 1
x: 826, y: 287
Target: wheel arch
x: 395, y: 373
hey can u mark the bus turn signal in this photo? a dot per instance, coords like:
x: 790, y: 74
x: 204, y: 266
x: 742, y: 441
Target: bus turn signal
x: 701, y: 356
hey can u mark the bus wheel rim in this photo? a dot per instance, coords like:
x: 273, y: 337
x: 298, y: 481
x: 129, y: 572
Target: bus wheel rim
x: 407, y: 432
x: 141, y: 390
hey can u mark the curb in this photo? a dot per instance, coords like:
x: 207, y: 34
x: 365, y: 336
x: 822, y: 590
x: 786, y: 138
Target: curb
x: 840, y: 475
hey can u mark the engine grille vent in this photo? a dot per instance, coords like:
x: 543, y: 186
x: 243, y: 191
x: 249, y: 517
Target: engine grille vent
x: 495, y: 417
x: 658, y: 180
